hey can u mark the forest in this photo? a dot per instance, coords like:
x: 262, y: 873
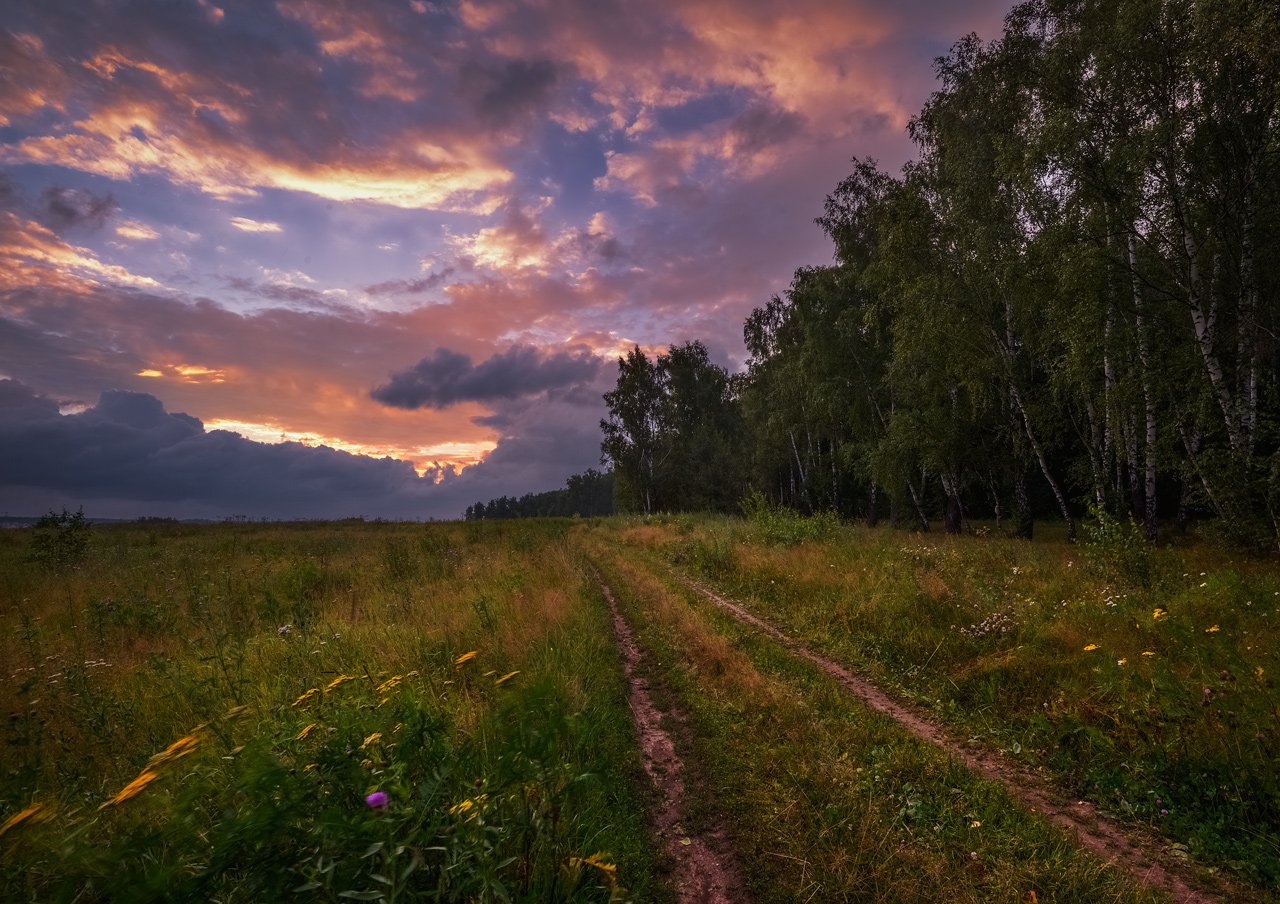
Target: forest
x: 1063, y: 308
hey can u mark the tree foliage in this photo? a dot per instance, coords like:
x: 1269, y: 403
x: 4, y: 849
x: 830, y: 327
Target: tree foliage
x: 1066, y: 304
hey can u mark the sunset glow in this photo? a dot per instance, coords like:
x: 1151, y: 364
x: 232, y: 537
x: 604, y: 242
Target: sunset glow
x: 421, y: 232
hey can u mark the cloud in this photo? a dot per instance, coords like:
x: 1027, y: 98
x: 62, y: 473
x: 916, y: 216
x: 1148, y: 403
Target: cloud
x: 448, y: 377
x: 128, y: 447
x: 410, y: 286
x: 59, y: 208
x: 505, y: 92
x: 246, y: 225
x: 127, y: 456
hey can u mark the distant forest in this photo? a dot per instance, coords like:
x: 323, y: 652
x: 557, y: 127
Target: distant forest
x: 1065, y: 307
x: 588, y: 495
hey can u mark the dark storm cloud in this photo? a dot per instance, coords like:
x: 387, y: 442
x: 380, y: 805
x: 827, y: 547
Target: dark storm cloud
x: 504, y: 92
x: 127, y: 456
x: 59, y: 208
x: 128, y: 447
x: 448, y: 377
x: 63, y: 209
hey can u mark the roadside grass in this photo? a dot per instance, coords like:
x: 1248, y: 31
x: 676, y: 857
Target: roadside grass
x: 1142, y: 680
x: 339, y: 711
x: 826, y: 799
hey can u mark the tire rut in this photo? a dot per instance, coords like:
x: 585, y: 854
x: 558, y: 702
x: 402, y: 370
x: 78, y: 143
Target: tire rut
x: 706, y: 868
x: 1135, y: 851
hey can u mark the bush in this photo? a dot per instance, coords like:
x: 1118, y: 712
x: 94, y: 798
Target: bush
x: 60, y: 540
x: 779, y: 524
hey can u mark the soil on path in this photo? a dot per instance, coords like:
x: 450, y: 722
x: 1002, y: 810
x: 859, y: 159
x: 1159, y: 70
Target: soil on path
x: 1141, y: 854
x: 706, y: 870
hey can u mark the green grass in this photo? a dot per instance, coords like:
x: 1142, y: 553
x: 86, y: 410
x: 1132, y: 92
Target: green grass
x: 525, y: 789
x: 826, y: 799
x: 1171, y: 721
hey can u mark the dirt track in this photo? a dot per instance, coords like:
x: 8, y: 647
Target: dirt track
x: 1140, y: 853
x: 706, y: 869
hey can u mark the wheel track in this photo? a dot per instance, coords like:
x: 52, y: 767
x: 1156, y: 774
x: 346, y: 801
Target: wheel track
x: 706, y: 869
x: 1136, y: 852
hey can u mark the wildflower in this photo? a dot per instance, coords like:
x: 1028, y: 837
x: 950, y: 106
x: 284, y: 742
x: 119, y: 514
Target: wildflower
x: 1208, y: 692
x: 1160, y: 613
x: 1092, y: 646
x: 307, y: 696
x: 36, y: 813
x: 1148, y: 653
x: 176, y: 750
x: 338, y: 681
x: 975, y: 824
x: 284, y: 629
x: 132, y: 789
x: 376, y: 736
x: 389, y: 684
x: 306, y: 731
x: 1211, y: 630
x: 597, y: 860
x: 506, y: 676
x: 464, y: 658
x: 377, y: 800
x: 1120, y: 662
x: 1258, y: 671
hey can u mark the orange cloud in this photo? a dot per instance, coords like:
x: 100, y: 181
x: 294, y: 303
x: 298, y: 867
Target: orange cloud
x: 31, y: 255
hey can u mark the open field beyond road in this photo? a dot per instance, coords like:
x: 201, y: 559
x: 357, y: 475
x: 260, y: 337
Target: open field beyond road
x: 449, y: 712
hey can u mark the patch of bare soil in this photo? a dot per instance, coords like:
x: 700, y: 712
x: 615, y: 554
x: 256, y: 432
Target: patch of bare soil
x: 1138, y: 852
x: 706, y: 868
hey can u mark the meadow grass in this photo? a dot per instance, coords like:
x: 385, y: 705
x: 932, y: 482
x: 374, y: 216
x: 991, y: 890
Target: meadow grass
x: 340, y: 711
x: 1139, y: 678
x: 826, y: 799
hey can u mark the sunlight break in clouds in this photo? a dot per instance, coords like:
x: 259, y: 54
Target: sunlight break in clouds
x: 244, y: 224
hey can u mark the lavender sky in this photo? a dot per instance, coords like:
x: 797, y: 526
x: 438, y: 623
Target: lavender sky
x: 324, y: 259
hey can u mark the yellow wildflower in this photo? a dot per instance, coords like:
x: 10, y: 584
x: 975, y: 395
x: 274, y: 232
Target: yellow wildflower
x: 1148, y: 653
x: 376, y: 736
x: 389, y: 684
x: 33, y: 814
x: 1160, y: 613
x: 337, y: 681
x: 132, y: 789
x: 1092, y: 646
x: 465, y: 657
x: 1211, y: 630
x: 1120, y: 661
x: 176, y: 750
x: 306, y: 731
x: 468, y: 805
x: 506, y: 676
x: 1258, y: 672
x: 305, y: 697
x: 599, y: 862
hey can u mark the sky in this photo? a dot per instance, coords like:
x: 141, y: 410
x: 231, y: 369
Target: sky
x: 316, y: 259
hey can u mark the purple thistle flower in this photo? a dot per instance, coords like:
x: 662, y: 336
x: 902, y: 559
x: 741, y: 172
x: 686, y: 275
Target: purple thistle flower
x: 377, y: 799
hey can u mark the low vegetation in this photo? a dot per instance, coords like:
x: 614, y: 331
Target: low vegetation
x: 349, y: 711
x: 366, y: 711
x: 1139, y: 678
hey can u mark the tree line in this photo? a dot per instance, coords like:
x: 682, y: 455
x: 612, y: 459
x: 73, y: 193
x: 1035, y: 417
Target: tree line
x: 1065, y: 305
x: 587, y: 495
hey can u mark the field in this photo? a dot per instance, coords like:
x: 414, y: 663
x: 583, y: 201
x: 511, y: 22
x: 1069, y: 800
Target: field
x: 381, y: 711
